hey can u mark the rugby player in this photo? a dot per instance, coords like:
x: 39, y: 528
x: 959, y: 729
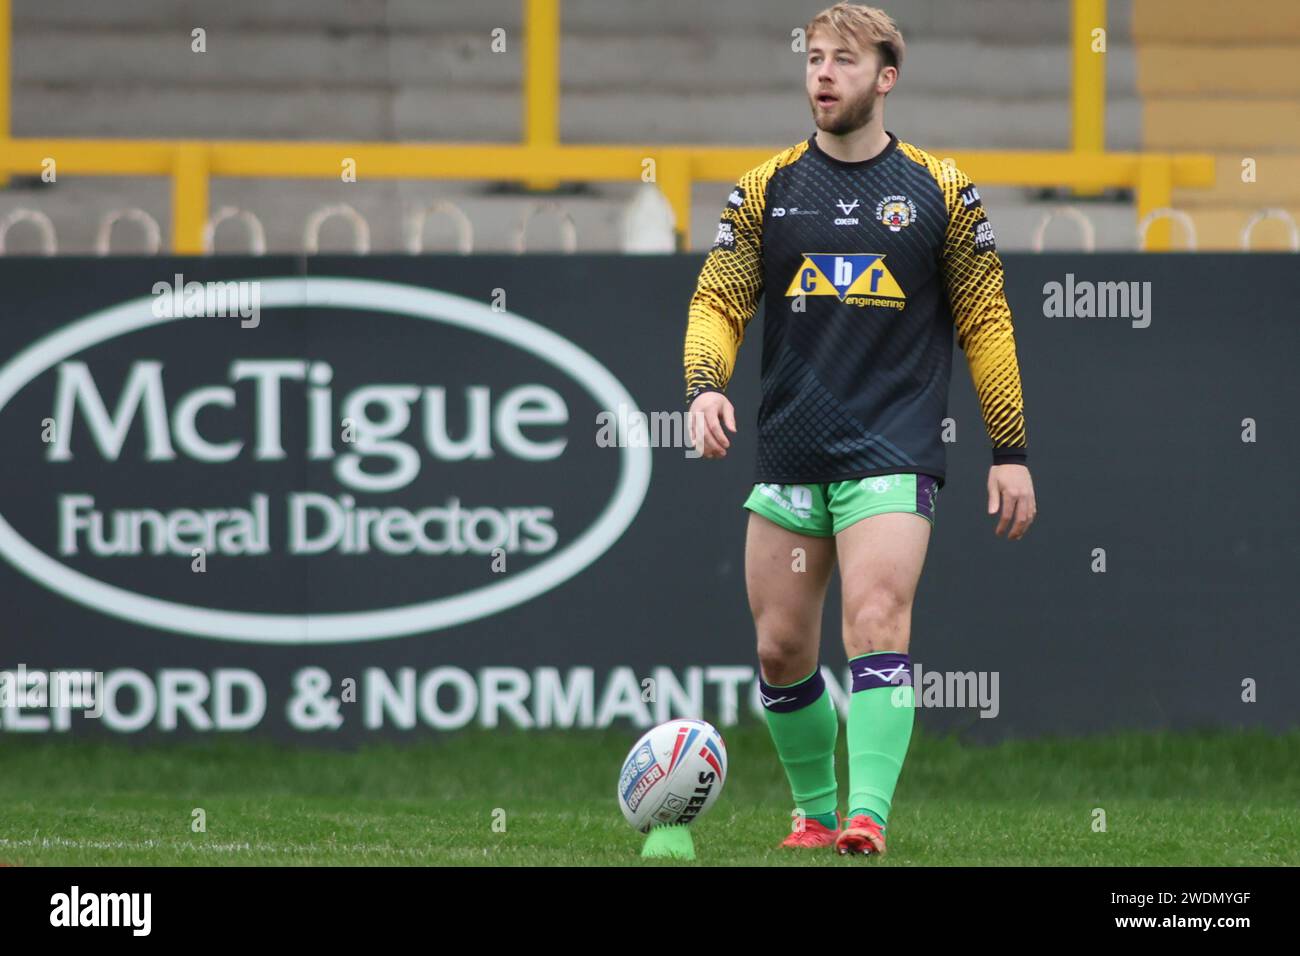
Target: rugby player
x: 870, y: 252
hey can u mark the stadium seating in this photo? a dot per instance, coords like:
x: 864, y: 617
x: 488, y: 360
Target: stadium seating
x: 994, y: 74
x: 1229, y: 85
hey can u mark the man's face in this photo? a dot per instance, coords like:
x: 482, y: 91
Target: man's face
x: 844, y: 84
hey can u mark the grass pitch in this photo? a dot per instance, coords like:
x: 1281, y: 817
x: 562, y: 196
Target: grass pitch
x: 548, y: 799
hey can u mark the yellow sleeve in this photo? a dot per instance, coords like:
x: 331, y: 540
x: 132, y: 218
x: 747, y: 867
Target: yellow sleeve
x: 973, y: 275
x: 726, y: 296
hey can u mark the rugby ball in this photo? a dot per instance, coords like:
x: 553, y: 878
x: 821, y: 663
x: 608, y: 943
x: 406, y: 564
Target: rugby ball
x: 672, y: 775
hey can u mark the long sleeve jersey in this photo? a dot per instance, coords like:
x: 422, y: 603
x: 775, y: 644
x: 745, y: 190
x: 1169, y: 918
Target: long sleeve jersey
x: 867, y: 268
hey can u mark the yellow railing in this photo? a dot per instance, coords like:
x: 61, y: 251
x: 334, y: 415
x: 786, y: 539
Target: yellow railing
x: 1088, y: 78
x: 541, y: 79
x: 542, y: 160
x: 1087, y: 82
x: 190, y: 165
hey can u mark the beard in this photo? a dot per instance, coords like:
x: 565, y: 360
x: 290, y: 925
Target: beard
x: 847, y: 115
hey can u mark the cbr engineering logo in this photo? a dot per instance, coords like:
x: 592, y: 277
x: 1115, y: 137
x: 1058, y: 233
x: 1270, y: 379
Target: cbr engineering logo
x: 172, y: 436
x: 860, y: 279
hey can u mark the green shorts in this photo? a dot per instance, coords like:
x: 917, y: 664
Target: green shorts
x: 827, y: 509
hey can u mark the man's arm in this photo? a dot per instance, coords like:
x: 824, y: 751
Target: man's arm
x: 973, y: 274
x: 726, y: 296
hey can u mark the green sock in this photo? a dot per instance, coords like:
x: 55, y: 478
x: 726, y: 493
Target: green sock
x: 802, y: 721
x: 881, y: 714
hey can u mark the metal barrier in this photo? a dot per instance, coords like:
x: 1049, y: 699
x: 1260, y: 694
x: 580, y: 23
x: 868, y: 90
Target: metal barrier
x: 190, y: 164
x: 256, y: 234
x: 1070, y: 212
x: 568, y: 230
x: 360, y: 233
x: 1273, y: 213
x: 1176, y: 215
x: 49, y: 241
x: 104, y: 236
x: 464, y: 228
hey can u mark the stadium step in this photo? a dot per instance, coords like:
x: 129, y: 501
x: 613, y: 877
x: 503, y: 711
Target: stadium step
x: 1218, y: 228
x: 997, y: 21
x: 1276, y: 182
x: 993, y: 74
x: 1248, y: 114
x: 1169, y: 69
x: 1201, y: 124
x: 1212, y: 22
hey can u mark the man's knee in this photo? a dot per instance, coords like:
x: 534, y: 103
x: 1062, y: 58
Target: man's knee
x: 879, y: 619
x: 787, y: 644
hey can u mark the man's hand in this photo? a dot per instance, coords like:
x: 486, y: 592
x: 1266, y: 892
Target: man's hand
x: 1012, y: 490
x: 708, y: 413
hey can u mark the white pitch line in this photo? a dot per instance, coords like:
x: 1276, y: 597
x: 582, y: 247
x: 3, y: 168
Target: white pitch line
x: 47, y: 843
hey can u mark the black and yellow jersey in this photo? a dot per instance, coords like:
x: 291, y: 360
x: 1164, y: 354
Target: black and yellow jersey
x: 867, y: 268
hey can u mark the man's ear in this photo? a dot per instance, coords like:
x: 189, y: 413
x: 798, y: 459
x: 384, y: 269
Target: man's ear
x: 886, y: 80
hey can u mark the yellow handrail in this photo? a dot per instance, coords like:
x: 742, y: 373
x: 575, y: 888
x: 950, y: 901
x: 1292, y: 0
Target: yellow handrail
x: 190, y: 164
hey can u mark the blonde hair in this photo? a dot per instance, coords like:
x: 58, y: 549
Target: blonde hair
x: 869, y: 27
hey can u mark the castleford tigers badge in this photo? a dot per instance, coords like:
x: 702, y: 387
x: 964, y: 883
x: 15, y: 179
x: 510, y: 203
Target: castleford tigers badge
x: 896, y: 212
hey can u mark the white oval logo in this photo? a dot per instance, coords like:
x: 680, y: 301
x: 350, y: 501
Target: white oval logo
x: 358, y: 294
